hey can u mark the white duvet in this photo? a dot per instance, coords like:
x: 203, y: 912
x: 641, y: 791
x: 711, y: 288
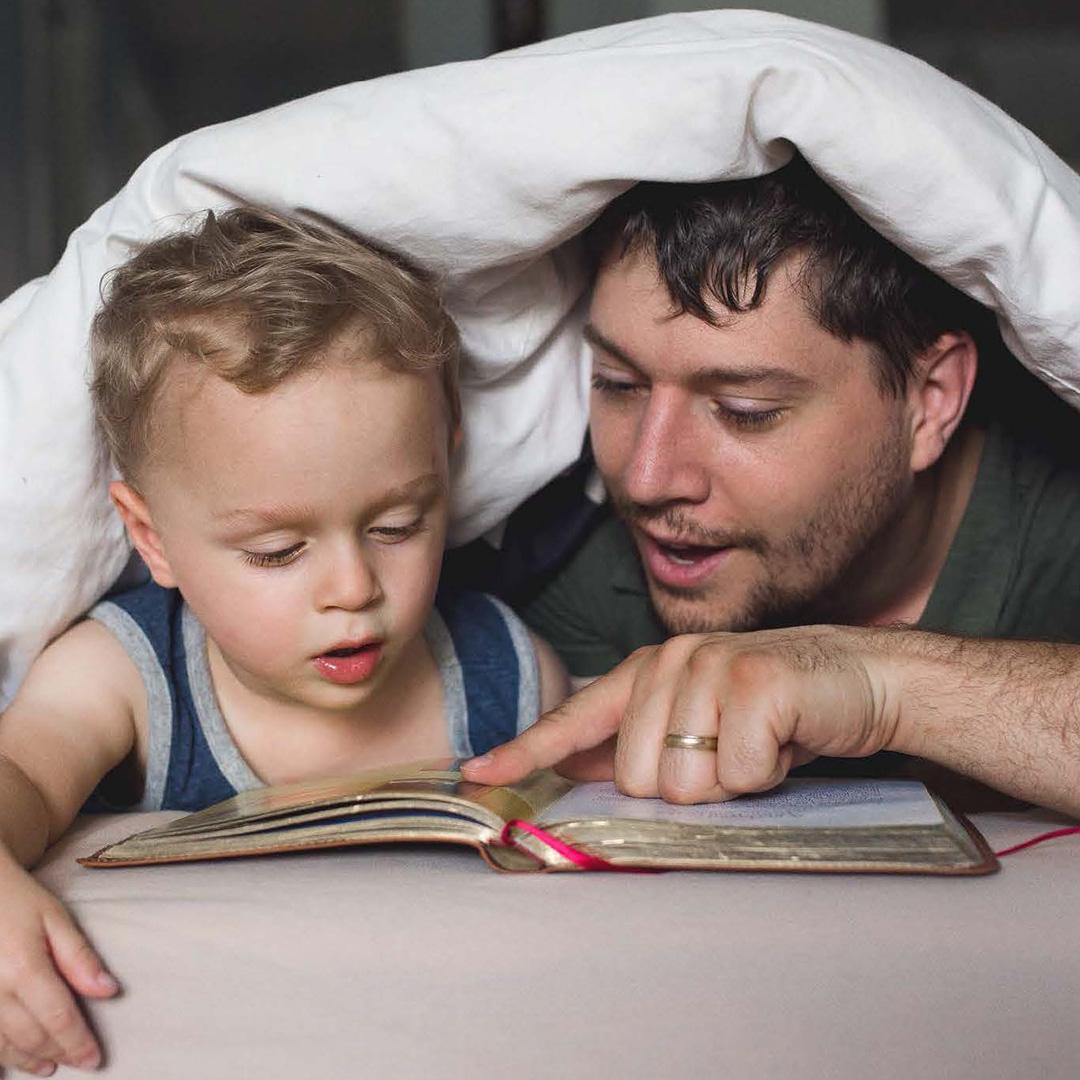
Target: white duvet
x: 485, y: 172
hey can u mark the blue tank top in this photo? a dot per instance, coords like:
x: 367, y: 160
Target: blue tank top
x: 483, y: 652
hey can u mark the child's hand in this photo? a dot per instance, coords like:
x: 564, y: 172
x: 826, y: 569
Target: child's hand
x: 43, y: 957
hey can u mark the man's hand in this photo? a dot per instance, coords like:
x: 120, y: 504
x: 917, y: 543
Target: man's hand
x: 43, y: 957
x: 773, y: 699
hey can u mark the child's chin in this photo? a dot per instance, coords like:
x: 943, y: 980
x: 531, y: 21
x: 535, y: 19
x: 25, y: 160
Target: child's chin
x: 337, y: 696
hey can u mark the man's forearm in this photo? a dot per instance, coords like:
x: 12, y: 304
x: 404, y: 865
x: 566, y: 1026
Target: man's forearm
x: 1006, y: 713
x: 24, y: 816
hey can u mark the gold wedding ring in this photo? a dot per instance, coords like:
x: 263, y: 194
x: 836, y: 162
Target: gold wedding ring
x: 689, y: 742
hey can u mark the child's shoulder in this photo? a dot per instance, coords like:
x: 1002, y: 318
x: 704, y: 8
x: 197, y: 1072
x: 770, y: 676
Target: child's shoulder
x: 74, y: 718
x: 85, y: 675
x: 500, y: 659
x: 145, y: 603
x: 84, y: 656
x: 147, y: 620
x: 477, y: 621
x: 455, y: 602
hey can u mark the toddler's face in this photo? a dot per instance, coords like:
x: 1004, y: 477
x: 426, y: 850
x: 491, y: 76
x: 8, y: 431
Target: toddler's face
x: 305, y: 526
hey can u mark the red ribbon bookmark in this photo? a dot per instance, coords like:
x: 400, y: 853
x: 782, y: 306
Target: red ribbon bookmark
x: 579, y: 858
x: 1038, y: 840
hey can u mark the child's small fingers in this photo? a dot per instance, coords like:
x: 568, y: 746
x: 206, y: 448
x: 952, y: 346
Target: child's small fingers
x: 36, y: 1066
x: 51, y: 1003
x: 16, y: 1059
x: 22, y: 1031
x: 76, y: 959
x: 23, y: 1039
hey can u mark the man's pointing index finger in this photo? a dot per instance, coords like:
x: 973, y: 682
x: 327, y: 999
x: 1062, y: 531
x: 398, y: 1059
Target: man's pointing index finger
x: 583, y: 721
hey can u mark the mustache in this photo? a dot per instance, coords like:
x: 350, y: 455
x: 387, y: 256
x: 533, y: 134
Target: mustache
x: 683, y: 528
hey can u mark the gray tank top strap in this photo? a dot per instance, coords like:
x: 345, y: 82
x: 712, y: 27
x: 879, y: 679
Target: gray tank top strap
x: 453, y: 684
x: 224, y: 750
x: 159, y: 698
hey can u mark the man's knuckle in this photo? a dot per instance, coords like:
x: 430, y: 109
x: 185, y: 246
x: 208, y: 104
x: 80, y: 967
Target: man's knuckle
x: 673, y: 654
x: 740, y: 770
x: 752, y: 668
x: 635, y: 786
x: 680, y: 794
x: 706, y: 660
x: 554, y: 719
x: 735, y: 780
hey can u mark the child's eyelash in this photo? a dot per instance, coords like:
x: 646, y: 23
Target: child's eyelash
x: 397, y: 532
x: 287, y: 555
x: 273, y: 558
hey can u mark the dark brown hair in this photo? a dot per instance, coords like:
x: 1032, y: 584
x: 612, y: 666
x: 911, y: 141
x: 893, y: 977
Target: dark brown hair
x: 716, y: 244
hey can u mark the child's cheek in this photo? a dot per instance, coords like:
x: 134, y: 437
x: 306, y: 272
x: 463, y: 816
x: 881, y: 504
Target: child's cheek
x: 259, y: 622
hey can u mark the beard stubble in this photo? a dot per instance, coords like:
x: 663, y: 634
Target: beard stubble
x: 811, y: 574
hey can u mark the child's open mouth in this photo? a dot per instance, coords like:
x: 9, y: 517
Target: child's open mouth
x: 349, y: 664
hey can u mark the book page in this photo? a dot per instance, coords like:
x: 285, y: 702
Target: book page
x: 798, y: 802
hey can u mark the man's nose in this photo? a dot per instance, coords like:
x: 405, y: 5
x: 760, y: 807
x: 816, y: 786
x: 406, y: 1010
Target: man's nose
x: 348, y: 580
x: 667, y: 460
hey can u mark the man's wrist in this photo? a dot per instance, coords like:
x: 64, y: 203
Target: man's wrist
x: 910, y: 675
x: 1001, y: 712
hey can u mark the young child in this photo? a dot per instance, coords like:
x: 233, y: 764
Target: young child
x: 281, y: 401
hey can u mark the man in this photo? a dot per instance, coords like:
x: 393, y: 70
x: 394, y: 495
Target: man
x: 782, y: 415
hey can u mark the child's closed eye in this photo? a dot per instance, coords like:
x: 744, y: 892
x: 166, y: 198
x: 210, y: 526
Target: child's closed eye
x: 273, y: 558
x: 393, y: 534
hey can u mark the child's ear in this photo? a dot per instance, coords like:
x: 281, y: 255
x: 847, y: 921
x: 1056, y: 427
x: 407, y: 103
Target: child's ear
x: 135, y: 514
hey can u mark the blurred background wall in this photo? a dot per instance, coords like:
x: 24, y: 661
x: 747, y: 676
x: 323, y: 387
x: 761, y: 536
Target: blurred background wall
x: 88, y: 88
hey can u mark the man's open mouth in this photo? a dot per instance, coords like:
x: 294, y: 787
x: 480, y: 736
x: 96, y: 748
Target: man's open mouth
x: 678, y: 565
x: 687, y: 554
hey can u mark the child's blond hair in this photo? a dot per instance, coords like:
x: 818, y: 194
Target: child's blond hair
x: 256, y: 297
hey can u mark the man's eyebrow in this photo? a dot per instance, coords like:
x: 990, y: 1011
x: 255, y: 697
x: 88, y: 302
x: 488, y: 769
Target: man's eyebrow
x: 594, y: 337
x: 423, y: 488
x: 707, y: 377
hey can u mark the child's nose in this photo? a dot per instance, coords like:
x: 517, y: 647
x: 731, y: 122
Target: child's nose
x: 348, y: 582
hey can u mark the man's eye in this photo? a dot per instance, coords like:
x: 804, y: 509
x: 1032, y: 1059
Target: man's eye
x: 605, y: 385
x: 749, y: 419
x: 273, y: 558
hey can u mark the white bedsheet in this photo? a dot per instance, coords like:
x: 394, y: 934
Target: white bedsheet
x: 485, y: 172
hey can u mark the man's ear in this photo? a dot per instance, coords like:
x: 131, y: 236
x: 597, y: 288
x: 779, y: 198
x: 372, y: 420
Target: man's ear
x: 941, y: 382
x: 135, y: 514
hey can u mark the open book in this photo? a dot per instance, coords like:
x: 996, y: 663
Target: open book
x: 548, y: 823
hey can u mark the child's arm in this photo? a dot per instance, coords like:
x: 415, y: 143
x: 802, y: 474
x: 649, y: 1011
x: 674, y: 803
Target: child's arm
x: 554, y: 681
x: 72, y: 722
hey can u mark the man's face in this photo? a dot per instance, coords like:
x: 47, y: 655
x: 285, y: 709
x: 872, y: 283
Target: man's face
x: 756, y: 463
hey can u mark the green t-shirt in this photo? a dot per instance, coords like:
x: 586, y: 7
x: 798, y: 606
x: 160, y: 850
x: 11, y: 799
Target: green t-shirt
x: 1013, y: 570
